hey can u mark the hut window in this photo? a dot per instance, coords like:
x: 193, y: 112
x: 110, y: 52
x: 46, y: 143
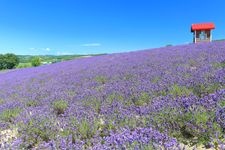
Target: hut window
x: 202, y: 35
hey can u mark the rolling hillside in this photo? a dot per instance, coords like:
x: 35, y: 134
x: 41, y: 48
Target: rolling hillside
x: 148, y: 99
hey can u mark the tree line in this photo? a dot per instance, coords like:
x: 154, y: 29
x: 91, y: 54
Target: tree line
x: 10, y: 61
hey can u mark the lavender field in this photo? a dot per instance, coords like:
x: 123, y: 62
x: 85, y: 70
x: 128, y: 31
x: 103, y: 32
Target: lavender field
x: 162, y: 98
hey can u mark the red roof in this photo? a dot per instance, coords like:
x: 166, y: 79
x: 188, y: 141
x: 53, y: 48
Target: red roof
x: 202, y: 26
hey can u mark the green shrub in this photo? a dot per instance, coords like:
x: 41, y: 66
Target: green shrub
x: 219, y: 65
x: 1, y: 101
x: 9, y: 114
x: 192, y: 63
x: 60, y: 106
x: 36, y: 61
x: 32, y: 103
x: 201, y: 89
x: 155, y: 79
x: 141, y: 146
x: 142, y: 100
x: 130, y: 122
x: 114, y: 96
x: 96, y: 103
x: 87, y: 130
x: 179, y: 91
x: 101, y: 79
x: 222, y: 103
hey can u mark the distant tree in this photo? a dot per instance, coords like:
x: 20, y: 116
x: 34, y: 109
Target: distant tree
x: 36, y: 61
x: 2, y: 59
x: 169, y: 45
x: 8, y: 61
x: 11, y: 61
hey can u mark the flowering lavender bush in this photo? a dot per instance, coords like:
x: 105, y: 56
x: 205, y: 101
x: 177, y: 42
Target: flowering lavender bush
x: 150, y: 99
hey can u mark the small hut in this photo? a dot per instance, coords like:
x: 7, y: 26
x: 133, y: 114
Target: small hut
x: 202, y: 32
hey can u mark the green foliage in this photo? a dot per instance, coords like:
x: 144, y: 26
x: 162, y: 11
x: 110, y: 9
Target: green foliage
x: 160, y: 93
x: 148, y: 146
x: 36, y: 131
x: 128, y: 77
x: 9, y: 114
x: 24, y: 65
x: 96, y: 103
x: 187, y: 75
x: 36, y: 61
x: 93, y: 103
x: 169, y: 45
x: 101, y: 79
x: 222, y: 103
x: 179, y: 91
x: 139, y: 145
x: 116, y: 97
x: 60, y: 106
x: 87, y: 130
x: 143, y: 99
x: 192, y: 63
x: 32, y: 103
x: 131, y: 123
x: 201, y: 117
x: 1, y: 101
x: 201, y: 89
x: 52, y: 58
x: 65, y: 133
x: 219, y: 65
x: 189, y: 127
x: 8, y: 61
x: 110, y: 126
x: 155, y: 79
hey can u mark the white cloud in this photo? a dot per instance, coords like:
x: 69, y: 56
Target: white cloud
x: 36, y: 49
x: 47, y: 49
x: 31, y: 48
x: 91, y: 45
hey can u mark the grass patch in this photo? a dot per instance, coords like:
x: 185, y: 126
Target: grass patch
x: 192, y: 63
x: 155, y: 79
x: 201, y: 89
x: 1, y: 101
x: 87, y: 130
x: 129, y: 122
x: 60, y: 106
x: 178, y: 91
x: 143, y: 99
x: 32, y: 103
x: 24, y: 65
x: 9, y: 115
x: 101, y: 79
x: 160, y: 93
x: 222, y: 103
x: 114, y: 96
x: 96, y: 104
x: 219, y: 65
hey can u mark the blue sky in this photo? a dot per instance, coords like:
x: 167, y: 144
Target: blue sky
x: 102, y: 26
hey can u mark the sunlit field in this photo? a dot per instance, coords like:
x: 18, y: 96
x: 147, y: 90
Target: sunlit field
x: 162, y: 98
